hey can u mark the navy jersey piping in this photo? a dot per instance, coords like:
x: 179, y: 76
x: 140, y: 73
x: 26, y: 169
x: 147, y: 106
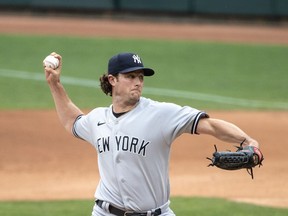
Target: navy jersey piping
x: 196, y: 121
x: 74, y: 127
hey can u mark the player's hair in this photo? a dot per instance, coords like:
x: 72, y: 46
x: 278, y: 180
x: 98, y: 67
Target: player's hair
x: 105, y: 84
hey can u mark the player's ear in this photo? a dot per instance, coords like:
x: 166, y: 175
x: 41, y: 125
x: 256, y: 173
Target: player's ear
x: 112, y: 79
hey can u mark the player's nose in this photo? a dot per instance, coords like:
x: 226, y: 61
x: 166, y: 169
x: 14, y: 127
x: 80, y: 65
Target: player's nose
x: 138, y: 81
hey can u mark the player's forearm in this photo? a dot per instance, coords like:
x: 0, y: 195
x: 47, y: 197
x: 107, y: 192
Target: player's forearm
x: 67, y: 111
x: 226, y: 132
x: 232, y: 134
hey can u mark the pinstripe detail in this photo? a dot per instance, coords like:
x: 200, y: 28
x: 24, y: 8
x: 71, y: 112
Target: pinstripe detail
x: 73, y: 128
x: 196, y: 121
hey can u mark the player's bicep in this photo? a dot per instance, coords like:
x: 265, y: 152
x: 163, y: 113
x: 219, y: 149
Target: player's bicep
x: 206, y: 126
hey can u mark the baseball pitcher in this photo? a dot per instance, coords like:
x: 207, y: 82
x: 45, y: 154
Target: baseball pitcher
x: 133, y: 137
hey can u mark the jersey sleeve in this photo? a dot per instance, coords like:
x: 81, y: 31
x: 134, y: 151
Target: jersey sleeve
x: 199, y: 115
x: 81, y: 128
x: 178, y: 120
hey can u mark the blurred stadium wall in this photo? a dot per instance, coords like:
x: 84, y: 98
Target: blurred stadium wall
x: 275, y: 10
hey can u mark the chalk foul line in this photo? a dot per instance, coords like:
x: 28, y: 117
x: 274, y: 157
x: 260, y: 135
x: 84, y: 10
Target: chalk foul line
x: 152, y: 91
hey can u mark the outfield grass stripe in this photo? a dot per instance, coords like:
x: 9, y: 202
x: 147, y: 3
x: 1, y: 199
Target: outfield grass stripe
x: 40, y: 77
x: 152, y: 91
x: 215, y: 98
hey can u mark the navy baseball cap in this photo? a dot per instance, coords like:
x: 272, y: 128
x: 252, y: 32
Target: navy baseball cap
x: 127, y: 62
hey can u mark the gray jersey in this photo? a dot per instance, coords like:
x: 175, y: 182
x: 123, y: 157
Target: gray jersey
x: 134, y: 150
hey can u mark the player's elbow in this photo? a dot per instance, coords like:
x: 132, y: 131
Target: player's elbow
x: 68, y: 124
x: 69, y: 128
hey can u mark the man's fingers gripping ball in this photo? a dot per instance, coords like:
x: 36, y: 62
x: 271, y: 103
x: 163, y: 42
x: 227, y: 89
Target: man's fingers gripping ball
x: 51, y: 62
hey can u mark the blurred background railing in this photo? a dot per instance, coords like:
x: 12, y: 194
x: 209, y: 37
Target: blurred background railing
x: 265, y: 9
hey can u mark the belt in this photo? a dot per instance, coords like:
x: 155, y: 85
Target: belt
x: 120, y: 212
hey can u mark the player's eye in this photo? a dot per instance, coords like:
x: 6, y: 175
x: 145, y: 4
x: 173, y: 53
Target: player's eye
x: 141, y: 77
x: 134, y: 76
x: 131, y: 76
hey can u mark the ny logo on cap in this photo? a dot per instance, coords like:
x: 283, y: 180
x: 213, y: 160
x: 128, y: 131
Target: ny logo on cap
x: 136, y: 59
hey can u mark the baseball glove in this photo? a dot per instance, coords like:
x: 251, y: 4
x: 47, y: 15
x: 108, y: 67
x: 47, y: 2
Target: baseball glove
x: 244, y: 158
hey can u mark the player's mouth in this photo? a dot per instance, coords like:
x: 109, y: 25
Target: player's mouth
x: 137, y: 90
x: 136, y: 93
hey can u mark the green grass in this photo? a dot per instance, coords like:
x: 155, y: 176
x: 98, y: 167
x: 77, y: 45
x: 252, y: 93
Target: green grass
x: 181, y: 206
x: 46, y: 208
x: 253, y: 72
x: 219, y: 207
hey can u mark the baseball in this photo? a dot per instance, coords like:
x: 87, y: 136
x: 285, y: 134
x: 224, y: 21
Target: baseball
x: 51, y: 61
